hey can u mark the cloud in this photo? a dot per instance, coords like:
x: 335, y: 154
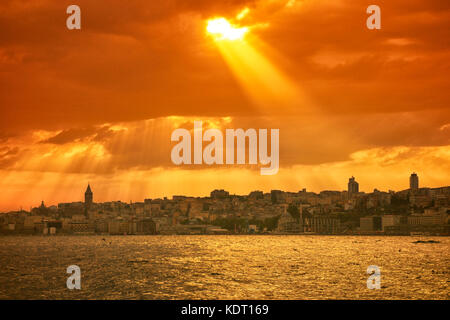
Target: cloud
x: 144, y: 145
x: 139, y: 60
x: 80, y: 134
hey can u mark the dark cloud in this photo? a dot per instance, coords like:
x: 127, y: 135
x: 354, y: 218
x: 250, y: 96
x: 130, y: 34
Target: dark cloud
x: 8, y: 156
x: 80, y: 134
x: 137, y: 60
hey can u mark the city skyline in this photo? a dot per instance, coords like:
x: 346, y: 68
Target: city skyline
x: 406, y: 212
x: 351, y: 190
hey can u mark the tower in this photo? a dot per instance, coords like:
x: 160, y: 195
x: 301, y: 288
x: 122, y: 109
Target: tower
x: 353, y: 186
x: 414, y: 181
x: 88, y: 196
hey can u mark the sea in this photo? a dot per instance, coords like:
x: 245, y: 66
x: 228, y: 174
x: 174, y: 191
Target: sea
x: 269, y: 267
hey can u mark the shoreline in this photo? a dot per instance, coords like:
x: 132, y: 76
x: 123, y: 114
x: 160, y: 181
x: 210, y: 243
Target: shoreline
x: 231, y: 234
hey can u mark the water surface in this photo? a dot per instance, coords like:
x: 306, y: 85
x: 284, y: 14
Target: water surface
x: 223, y: 267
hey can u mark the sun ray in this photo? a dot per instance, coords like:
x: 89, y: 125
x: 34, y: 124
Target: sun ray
x: 265, y: 84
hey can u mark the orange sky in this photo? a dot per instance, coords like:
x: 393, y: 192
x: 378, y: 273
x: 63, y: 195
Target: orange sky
x: 99, y: 104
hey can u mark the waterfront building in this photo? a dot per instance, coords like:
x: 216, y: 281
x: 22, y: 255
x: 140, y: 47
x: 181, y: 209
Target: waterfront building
x: 287, y: 223
x: 390, y: 220
x: 368, y: 224
x: 118, y: 227
x: 321, y: 225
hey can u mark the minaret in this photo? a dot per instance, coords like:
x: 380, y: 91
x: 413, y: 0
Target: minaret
x: 88, y: 197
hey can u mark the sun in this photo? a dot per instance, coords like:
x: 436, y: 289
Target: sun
x: 221, y: 29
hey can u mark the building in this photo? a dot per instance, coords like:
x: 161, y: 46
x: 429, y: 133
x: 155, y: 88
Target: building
x: 415, y: 220
x: 321, y: 225
x: 414, y: 181
x: 88, y: 197
x: 277, y: 196
x: 255, y: 195
x: 118, y: 227
x: 81, y: 227
x: 432, y: 217
x: 390, y: 220
x: 101, y: 226
x: 31, y: 224
x: 287, y: 223
x: 420, y: 200
x: 146, y: 226
x: 368, y: 224
x: 353, y: 186
x: 219, y: 194
x: 431, y: 222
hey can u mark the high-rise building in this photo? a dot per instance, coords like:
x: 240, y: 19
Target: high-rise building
x: 353, y: 186
x: 88, y: 196
x: 414, y: 181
